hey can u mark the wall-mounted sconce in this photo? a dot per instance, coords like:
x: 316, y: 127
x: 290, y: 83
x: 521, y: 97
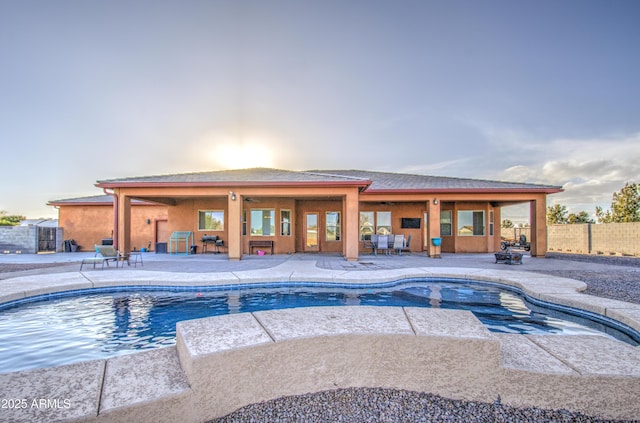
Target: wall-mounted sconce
x: 233, y: 195
x: 148, y: 221
x: 435, y: 201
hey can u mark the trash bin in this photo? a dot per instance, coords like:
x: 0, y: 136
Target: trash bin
x: 193, y: 250
x: 70, y: 246
x: 161, y: 248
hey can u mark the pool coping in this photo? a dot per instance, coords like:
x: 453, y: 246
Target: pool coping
x: 181, y: 389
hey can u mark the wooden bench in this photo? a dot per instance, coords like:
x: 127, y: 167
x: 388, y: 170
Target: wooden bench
x: 509, y: 258
x: 264, y: 243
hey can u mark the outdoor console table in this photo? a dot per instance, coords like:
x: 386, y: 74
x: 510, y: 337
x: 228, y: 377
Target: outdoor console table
x: 260, y: 243
x: 135, y: 256
x: 509, y: 258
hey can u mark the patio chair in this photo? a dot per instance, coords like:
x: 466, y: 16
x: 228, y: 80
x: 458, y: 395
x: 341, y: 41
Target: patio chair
x: 407, y: 246
x: 383, y: 244
x: 398, y: 244
x: 371, y: 241
x: 105, y: 254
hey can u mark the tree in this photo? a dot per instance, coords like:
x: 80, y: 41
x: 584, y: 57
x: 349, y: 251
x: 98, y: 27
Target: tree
x: 625, y: 206
x: 602, y: 216
x: 556, y: 214
x: 10, y: 220
x: 581, y: 217
x: 506, y: 223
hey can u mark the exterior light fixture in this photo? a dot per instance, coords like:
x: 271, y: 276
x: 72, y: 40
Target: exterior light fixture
x: 233, y: 195
x: 148, y: 221
x: 435, y: 201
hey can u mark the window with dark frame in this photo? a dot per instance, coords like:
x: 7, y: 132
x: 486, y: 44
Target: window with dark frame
x: 332, y: 226
x: 211, y: 220
x: 446, y: 225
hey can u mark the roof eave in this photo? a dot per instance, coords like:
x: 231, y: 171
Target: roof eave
x: 538, y: 190
x: 280, y: 184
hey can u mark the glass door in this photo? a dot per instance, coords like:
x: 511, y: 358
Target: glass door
x: 311, y: 232
x: 425, y: 232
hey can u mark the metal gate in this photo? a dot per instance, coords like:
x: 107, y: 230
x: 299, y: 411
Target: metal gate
x: 46, y: 239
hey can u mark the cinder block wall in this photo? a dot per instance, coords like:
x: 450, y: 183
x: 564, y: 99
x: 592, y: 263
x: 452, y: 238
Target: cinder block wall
x: 616, y: 238
x: 607, y: 239
x: 568, y: 238
x: 18, y: 238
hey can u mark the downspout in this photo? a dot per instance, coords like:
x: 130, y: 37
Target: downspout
x: 114, y: 234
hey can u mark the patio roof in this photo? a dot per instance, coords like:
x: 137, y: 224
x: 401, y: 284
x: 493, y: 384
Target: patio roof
x: 394, y: 182
x: 370, y: 182
x: 253, y: 176
x: 92, y: 201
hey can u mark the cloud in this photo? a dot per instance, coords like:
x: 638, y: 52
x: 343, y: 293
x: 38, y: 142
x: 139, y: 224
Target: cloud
x: 589, y: 170
x: 436, y: 168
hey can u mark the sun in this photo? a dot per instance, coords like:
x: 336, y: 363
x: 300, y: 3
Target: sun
x: 228, y: 153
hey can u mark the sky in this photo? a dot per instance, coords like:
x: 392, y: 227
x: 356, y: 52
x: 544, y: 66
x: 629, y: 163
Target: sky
x: 543, y: 91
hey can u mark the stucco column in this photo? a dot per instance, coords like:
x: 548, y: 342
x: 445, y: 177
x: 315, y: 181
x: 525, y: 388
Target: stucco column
x: 234, y: 243
x: 539, y: 226
x: 497, y: 228
x: 124, y: 223
x: 351, y: 226
x: 434, y: 227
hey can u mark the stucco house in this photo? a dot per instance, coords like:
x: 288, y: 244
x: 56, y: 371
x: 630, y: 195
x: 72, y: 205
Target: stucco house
x: 304, y: 211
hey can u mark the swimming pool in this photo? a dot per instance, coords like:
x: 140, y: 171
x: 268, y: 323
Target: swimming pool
x: 75, y: 326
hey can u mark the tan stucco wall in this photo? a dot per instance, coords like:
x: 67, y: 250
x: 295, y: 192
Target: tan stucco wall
x: 471, y: 244
x: 184, y: 217
x: 89, y: 224
x: 282, y: 244
x: 320, y: 207
x: 398, y: 211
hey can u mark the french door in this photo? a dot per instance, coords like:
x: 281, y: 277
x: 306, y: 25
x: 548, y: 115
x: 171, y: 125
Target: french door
x: 311, y: 232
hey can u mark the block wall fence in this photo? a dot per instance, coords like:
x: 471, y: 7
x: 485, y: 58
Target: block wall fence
x: 621, y: 239
x: 19, y: 238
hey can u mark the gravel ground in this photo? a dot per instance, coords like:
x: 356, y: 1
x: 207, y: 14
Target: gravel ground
x: 621, y: 285
x: 391, y: 405
x: 620, y: 281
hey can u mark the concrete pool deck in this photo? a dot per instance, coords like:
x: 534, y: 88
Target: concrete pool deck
x: 222, y: 363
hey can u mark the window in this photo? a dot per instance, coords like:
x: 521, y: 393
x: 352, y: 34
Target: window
x: 332, y: 226
x: 383, y: 223
x: 445, y: 223
x: 263, y: 222
x: 211, y: 220
x: 285, y: 222
x: 244, y: 222
x: 491, y: 223
x: 366, y: 225
x: 470, y: 223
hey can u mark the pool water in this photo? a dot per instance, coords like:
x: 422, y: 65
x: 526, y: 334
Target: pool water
x: 71, y: 327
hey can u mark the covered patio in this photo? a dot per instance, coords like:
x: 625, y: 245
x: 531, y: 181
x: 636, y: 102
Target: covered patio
x: 327, y: 211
